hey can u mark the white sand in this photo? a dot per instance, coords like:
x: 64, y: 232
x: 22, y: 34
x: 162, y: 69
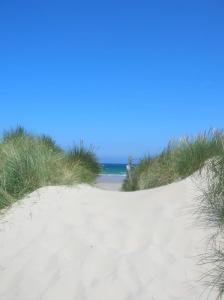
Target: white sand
x: 86, y: 243
x: 108, y: 182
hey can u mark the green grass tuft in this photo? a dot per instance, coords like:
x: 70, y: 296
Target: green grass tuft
x: 85, y: 157
x: 50, y: 143
x: 28, y: 162
x: 211, y: 211
x: 181, y: 158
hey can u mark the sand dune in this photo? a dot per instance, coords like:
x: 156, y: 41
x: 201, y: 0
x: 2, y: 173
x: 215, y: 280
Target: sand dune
x: 86, y: 243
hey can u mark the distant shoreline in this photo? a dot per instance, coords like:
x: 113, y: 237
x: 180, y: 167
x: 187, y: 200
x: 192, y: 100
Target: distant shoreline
x: 110, y: 181
x: 112, y: 174
x: 110, y: 169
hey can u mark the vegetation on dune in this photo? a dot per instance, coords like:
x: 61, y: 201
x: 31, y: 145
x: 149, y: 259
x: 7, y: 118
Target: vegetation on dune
x: 14, y: 134
x: 50, y: 143
x: 211, y: 211
x: 28, y: 162
x: 178, y: 160
x: 212, y: 201
x: 85, y: 156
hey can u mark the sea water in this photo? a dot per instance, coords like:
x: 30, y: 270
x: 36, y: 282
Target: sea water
x: 112, y: 174
x: 113, y: 169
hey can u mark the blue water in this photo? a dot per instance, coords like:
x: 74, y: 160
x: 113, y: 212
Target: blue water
x: 113, y: 169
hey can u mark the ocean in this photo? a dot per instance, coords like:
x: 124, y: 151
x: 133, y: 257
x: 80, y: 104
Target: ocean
x: 113, y: 169
x: 111, y: 176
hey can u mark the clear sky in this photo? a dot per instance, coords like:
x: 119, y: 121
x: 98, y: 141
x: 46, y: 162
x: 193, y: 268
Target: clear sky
x: 123, y: 75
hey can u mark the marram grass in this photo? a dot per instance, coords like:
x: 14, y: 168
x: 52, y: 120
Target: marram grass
x: 181, y: 158
x: 84, y: 156
x: 211, y: 211
x: 28, y: 162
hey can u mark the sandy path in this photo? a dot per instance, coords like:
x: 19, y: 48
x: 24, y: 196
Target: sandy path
x: 86, y: 243
x: 111, y: 183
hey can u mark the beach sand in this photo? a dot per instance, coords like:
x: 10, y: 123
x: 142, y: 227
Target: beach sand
x: 78, y: 243
x: 110, y: 182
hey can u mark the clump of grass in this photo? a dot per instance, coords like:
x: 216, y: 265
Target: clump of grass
x: 181, y: 158
x: 192, y: 153
x: 130, y: 183
x: 14, y: 134
x: 211, y: 211
x: 85, y: 157
x: 212, y: 204
x: 50, y: 143
x: 28, y: 162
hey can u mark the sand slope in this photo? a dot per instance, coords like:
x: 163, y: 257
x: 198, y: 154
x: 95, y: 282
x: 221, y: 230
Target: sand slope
x: 87, y: 243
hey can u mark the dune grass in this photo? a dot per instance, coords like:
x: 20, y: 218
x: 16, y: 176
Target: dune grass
x: 28, y: 162
x: 86, y: 157
x: 211, y: 211
x: 178, y: 160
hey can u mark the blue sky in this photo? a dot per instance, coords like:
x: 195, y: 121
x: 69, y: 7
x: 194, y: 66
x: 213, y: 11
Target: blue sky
x: 125, y: 76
